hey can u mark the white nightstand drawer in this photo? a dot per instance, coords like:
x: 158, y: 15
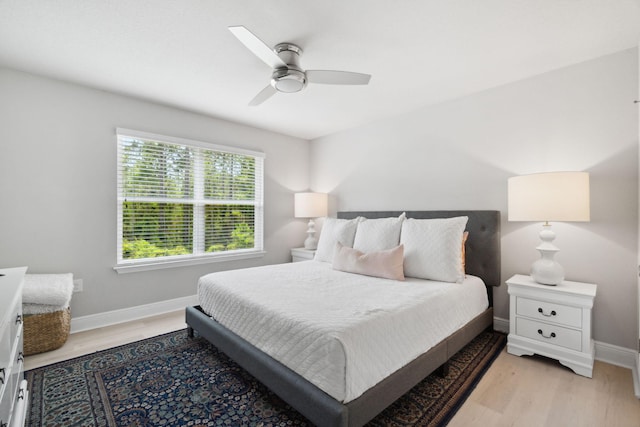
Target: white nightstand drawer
x: 302, y: 254
x: 549, y: 312
x: 551, y: 334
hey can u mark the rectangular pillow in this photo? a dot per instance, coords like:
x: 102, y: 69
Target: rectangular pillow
x: 335, y: 230
x: 432, y: 248
x: 385, y: 264
x: 378, y: 234
x: 465, y: 236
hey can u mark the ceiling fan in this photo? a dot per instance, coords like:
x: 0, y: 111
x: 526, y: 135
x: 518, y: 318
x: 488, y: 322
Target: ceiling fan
x: 287, y: 75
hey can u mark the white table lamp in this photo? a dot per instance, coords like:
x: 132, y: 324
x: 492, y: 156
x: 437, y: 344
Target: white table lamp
x: 552, y: 196
x: 310, y: 205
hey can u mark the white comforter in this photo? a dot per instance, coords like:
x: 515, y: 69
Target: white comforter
x: 343, y: 332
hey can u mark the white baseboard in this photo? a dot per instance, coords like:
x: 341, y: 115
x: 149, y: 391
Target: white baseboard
x: 621, y: 356
x: 616, y: 355
x: 501, y: 325
x: 108, y: 318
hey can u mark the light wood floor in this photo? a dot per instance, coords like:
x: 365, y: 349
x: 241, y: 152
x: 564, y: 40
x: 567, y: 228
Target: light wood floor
x: 82, y: 343
x: 515, y: 391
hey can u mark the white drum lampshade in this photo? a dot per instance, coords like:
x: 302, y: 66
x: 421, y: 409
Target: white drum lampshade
x: 310, y: 205
x: 545, y: 197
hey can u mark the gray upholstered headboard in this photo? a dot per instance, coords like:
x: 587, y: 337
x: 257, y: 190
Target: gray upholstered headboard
x: 483, y: 244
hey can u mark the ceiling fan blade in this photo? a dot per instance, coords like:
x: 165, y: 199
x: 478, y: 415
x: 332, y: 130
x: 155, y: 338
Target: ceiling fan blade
x: 257, y: 46
x: 329, y: 77
x: 263, y: 95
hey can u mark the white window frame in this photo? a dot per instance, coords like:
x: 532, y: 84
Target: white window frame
x: 198, y: 256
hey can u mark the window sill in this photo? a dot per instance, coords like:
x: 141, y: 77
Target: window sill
x: 148, y: 265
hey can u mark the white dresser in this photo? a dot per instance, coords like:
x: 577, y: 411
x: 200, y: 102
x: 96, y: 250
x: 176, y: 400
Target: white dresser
x: 552, y: 321
x: 13, y: 386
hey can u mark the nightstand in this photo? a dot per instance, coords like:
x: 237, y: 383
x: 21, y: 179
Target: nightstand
x: 302, y: 254
x: 552, y: 321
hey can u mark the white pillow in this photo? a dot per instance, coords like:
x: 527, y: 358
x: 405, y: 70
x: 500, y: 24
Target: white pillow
x: 432, y: 248
x: 374, y: 235
x: 333, y: 231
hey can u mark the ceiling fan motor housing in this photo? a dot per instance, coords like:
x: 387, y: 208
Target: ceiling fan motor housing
x: 291, y: 78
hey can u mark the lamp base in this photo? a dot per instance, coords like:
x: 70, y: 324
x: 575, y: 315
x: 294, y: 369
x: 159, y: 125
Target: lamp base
x: 311, y: 242
x: 546, y: 270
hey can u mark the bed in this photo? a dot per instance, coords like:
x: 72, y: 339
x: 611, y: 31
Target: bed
x: 326, y: 408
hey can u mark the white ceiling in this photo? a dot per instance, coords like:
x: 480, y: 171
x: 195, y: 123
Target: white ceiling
x: 419, y: 52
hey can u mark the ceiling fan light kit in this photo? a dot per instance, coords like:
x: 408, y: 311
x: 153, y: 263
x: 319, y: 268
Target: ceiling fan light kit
x: 288, y: 81
x: 287, y: 75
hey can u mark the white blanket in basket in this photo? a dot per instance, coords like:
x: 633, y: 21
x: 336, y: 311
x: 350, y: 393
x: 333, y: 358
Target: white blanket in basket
x: 46, y: 293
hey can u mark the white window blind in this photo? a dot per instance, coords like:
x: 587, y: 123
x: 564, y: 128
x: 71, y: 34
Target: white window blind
x: 180, y: 199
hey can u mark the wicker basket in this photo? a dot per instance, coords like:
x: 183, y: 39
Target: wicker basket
x: 45, y: 332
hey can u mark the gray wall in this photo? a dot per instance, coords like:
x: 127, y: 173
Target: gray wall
x: 458, y: 155
x: 57, y: 180
x: 58, y: 188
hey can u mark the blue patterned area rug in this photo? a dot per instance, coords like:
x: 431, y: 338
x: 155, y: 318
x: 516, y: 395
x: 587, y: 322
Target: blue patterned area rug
x: 172, y: 380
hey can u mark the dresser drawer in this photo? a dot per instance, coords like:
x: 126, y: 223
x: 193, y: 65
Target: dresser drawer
x: 20, y: 407
x: 6, y: 401
x: 549, y: 312
x: 11, y: 353
x: 17, y: 371
x: 15, y: 319
x: 6, y: 346
x: 551, y: 334
x: 12, y: 376
x: 8, y: 331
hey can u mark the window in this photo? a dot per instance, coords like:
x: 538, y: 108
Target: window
x: 182, y: 201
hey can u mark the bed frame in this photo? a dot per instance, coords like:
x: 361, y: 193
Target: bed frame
x: 482, y: 260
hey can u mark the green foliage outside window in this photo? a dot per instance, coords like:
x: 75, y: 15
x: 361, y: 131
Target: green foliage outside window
x: 164, y: 195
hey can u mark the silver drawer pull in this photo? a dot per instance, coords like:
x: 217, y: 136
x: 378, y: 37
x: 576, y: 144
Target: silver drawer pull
x: 21, y: 357
x: 21, y: 394
x: 18, y: 319
x: 553, y: 334
x: 2, y: 377
x: 541, y: 311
